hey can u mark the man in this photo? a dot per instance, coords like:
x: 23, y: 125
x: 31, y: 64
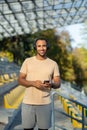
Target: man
x: 38, y: 74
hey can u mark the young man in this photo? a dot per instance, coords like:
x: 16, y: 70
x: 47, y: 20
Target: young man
x: 38, y: 74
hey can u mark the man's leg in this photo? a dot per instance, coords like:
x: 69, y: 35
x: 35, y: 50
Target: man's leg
x: 28, y: 117
x: 43, y: 116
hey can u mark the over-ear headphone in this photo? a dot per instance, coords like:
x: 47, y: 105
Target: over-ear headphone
x: 47, y: 44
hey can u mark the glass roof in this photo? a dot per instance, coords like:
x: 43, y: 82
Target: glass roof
x: 28, y: 16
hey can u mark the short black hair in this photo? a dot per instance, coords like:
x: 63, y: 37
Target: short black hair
x: 40, y: 38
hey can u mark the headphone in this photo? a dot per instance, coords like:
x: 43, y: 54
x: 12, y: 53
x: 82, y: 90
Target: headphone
x: 47, y: 44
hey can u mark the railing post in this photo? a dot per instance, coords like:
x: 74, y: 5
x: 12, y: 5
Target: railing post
x: 53, y: 112
x: 82, y: 118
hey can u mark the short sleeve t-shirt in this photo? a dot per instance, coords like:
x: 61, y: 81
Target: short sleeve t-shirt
x: 38, y: 70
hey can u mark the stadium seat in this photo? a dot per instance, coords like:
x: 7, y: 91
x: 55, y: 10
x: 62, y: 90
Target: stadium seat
x: 7, y: 77
x: 3, y: 80
x: 14, y: 97
x: 14, y: 76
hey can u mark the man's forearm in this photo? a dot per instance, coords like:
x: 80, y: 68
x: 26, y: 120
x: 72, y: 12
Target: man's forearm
x: 56, y: 85
x: 26, y: 83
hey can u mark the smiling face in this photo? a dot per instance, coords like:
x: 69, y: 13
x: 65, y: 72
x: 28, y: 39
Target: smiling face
x: 41, y: 48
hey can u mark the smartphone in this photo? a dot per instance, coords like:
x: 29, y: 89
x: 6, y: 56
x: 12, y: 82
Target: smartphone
x: 46, y: 81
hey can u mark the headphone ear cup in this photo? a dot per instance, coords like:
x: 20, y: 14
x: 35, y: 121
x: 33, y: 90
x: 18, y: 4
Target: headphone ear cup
x: 48, y: 46
x: 34, y: 46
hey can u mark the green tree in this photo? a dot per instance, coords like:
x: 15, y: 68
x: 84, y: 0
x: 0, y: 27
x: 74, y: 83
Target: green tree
x: 80, y: 65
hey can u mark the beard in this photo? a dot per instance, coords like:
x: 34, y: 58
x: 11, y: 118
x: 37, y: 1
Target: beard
x: 43, y: 54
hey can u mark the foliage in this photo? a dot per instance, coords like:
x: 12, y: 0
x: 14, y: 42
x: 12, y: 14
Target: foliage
x: 80, y: 65
x: 7, y: 56
x: 65, y: 57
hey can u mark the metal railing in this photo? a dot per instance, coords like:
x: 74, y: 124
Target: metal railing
x: 74, y: 101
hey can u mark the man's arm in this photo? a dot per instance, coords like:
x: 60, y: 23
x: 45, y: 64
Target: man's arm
x: 56, y: 82
x: 22, y: 81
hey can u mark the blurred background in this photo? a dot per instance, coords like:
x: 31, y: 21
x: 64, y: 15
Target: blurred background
x: 63, y: 23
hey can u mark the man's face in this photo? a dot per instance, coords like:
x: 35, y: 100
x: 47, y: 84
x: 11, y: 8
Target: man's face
x: 41, y: 47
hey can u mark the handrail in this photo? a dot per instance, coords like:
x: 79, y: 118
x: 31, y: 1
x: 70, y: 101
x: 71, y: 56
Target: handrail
x: 8, y: 87
x: 53, y: 115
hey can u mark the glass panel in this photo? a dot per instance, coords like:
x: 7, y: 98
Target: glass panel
x: 40, y: 14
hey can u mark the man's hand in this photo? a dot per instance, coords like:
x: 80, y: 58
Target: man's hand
x: 40, y: 85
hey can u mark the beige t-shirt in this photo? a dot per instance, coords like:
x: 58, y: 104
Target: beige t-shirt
x: 38, y: 70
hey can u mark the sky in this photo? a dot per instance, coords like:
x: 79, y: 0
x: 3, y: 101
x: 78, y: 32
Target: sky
x: 75, y: 33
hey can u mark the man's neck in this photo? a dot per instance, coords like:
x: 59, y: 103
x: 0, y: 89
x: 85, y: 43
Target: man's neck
x: 41, y: 57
